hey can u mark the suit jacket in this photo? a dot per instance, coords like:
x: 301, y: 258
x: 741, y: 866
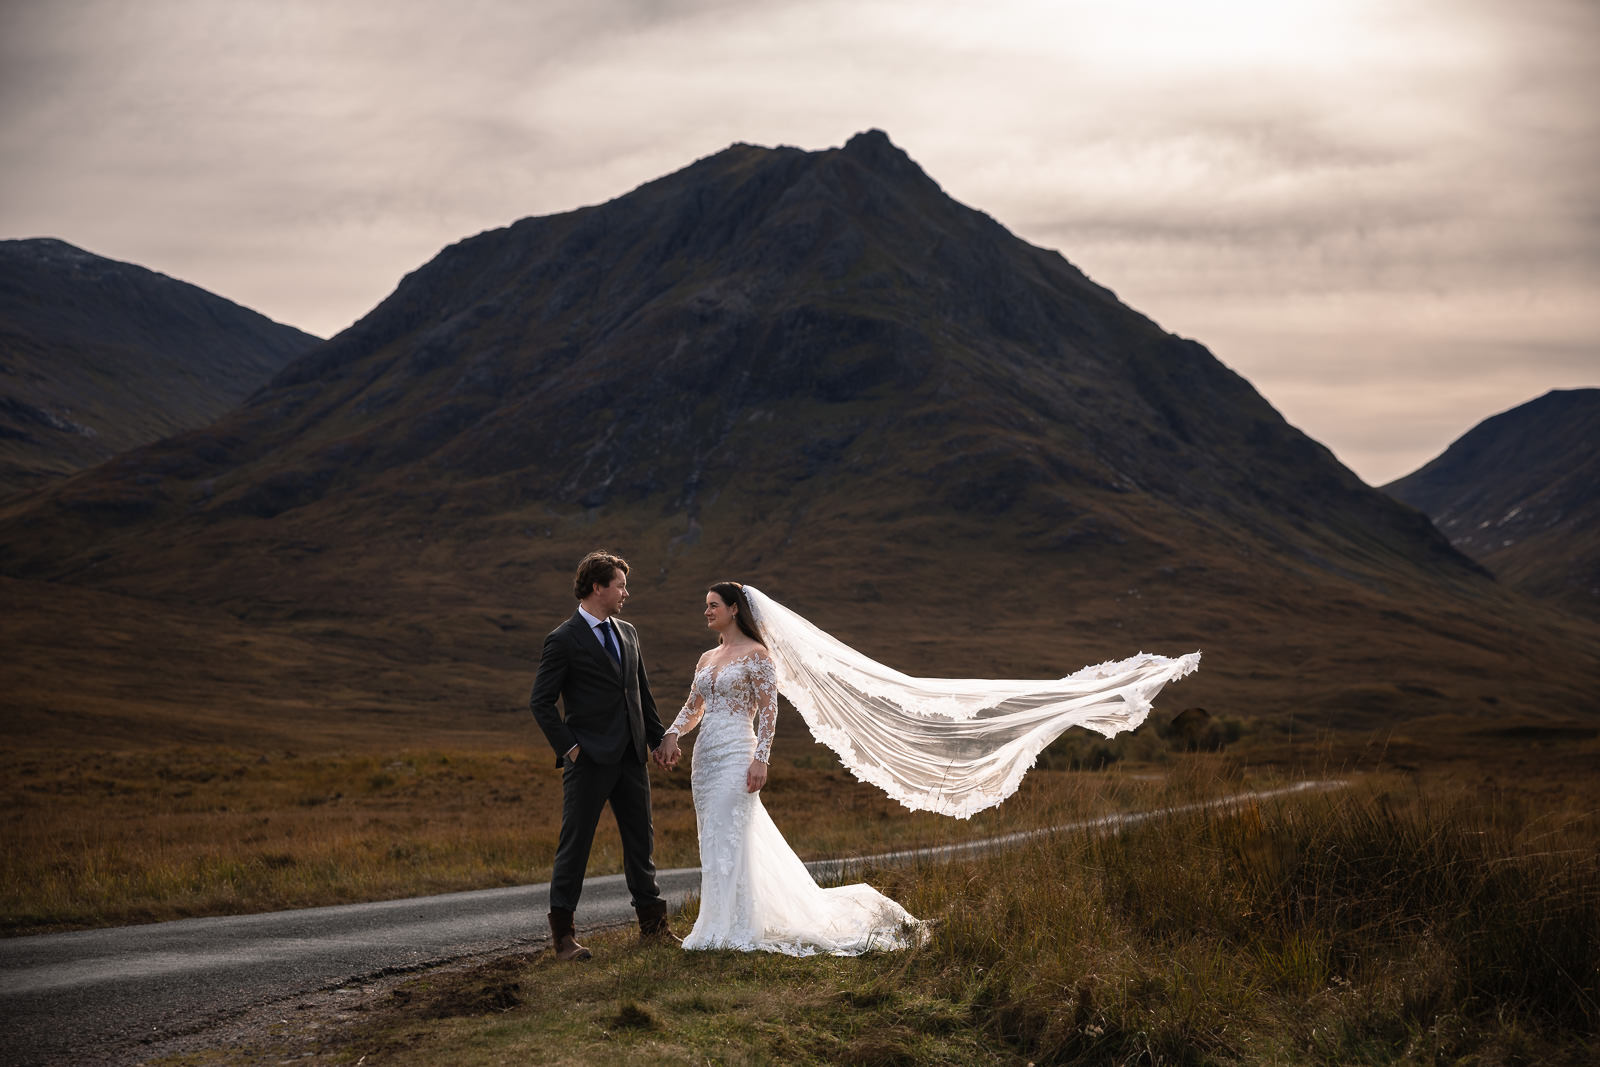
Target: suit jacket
x: 607, y: 712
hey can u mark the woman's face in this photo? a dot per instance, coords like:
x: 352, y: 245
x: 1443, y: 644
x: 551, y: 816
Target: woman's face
x: 719, y: 616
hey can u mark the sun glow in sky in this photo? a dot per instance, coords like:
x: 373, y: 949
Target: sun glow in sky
x: 1383, y: 214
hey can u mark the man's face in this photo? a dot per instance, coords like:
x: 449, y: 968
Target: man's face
x: 613, y: 596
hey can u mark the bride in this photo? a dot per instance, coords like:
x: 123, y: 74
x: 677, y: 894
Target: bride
x: 950, y: 745
x: 755, y: 893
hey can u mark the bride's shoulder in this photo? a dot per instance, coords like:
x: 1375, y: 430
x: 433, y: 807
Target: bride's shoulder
x: 751, y: 653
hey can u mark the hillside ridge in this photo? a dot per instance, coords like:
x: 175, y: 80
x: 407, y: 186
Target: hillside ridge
x: 98, y: 357
x: 1520, y: 493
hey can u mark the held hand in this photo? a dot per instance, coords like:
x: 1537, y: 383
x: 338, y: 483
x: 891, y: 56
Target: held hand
x: 667, y: 752
x: 755, y: 777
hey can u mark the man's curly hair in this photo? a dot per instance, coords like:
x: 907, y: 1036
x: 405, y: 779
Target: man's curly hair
x: 597, y: 568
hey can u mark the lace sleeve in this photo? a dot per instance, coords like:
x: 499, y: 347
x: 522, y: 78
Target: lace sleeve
x: 764, y: 687
x: 693, y: 708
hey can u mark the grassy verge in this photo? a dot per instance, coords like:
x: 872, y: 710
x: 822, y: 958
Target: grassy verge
x: 1365, y: 927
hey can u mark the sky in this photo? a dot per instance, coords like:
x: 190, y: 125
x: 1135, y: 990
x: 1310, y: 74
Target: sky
x: 1384, y: 213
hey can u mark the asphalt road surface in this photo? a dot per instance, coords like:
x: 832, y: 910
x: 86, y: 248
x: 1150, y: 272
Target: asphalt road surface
x: 100, y: 996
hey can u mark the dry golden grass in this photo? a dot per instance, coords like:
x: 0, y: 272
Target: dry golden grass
x: 104, y: 838
x: 95, y: 837
x: 1380, y: 924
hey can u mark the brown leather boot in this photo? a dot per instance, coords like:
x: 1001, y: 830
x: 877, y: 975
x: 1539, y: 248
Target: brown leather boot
x: 561, y: 939
x: 653, y: 923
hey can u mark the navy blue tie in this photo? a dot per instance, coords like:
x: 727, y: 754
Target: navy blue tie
x: 611, y: 643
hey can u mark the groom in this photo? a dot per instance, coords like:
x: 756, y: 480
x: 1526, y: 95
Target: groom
x: 607, y: 731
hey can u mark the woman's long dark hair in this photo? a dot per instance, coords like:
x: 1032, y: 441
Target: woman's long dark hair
x: 732, y: 593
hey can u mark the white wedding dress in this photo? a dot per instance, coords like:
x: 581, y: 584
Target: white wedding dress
x: 956, y: 746
x: 755, y: 893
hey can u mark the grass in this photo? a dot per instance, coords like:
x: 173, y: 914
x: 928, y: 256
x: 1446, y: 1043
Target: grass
x: 95, y: 838
x: 103, y: 838
x: 1382, y: 924
x: 109, y: 837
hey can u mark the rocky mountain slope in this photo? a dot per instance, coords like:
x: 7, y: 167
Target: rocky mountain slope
x: 811, y: 370
x: 1520, y: 493
x: 97, y: 357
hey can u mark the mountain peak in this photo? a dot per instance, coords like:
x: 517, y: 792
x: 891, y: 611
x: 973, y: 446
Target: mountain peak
x: 873, y: 149
x: 872, y: 141
x: 822, y: 304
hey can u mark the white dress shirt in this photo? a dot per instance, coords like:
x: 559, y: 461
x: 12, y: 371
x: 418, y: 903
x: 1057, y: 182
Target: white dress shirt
x: 596, y: 626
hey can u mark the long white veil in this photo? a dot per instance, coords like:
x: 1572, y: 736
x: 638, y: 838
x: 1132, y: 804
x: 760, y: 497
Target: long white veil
x: 951, y: 745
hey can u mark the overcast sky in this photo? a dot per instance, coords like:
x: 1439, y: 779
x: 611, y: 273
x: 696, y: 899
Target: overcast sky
x: 1384, y: 213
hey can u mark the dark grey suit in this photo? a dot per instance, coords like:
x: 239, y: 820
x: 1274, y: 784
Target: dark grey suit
x: 611, y: 716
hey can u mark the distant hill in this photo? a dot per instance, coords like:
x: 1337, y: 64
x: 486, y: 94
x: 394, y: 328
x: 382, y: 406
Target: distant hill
x: 97, y: 357
x: 1520, y: 493
x: 811, y: 370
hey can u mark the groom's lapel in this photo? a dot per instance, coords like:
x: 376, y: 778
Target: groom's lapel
x: 587, y: 640
x: 622, y: 653
x: 630, y: 653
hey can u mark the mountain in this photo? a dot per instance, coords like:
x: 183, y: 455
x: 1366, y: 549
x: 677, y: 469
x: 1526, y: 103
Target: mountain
x: 97, y: 357
x: 1520, y: 493
x: 811, y: 370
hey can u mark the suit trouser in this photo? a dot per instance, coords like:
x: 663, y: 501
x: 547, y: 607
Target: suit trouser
x: 586, y: 787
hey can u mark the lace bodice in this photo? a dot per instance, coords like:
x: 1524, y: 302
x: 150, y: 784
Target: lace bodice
x: 744, y: 686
